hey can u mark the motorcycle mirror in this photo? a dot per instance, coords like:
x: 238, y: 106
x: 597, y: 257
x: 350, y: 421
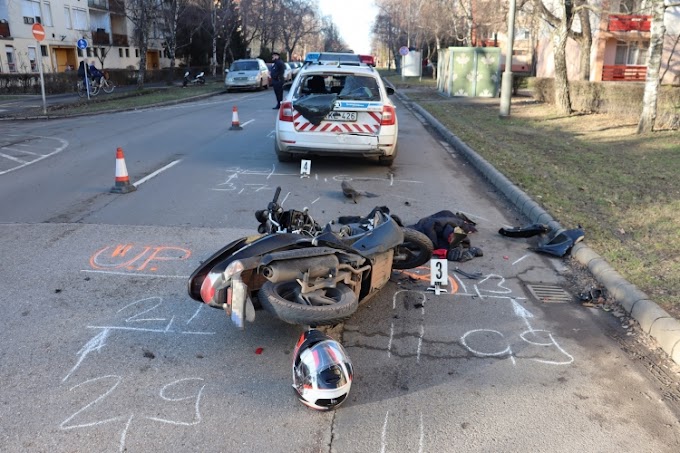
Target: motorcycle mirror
x: 261, y: 215
x: 261, y: 228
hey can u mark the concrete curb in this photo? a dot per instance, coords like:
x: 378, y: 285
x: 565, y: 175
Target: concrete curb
x: 653, y: 319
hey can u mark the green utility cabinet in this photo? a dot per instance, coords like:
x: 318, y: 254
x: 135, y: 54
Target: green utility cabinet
x: 469, y: 71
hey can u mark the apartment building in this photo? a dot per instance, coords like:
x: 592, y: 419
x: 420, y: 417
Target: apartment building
x: 102, y: 23
x: 621, y: 36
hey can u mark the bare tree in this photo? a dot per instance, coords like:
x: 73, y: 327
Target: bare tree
x: 142, y: 14
x: 300, y: 17
x: 560, y: 20
x: 652, y: 81
x: 170, y: 15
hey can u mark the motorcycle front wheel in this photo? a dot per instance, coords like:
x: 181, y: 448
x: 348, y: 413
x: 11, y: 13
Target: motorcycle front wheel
x: 415, y: 251
x: 323, y: 307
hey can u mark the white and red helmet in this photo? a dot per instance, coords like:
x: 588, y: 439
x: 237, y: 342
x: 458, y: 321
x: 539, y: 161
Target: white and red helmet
x: 322, y: 372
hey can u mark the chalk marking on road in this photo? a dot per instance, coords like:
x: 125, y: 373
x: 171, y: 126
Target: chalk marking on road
x: 272, y: 172
x: 316, y: 200
x: 64, y: 424
x: 131, y: 274
x: 95, y: 344
x: 420, y: 342
x: 200, y: 306
x: 121, y: 445
x: 247, y: 122
x: 421, y: 441
x: 520, y: 259
x: 197, y: 414
x: 506, y: 351
x: 142, y: 329
x: 389, y: 343
x: 383, y: 438
x: 7, y: 156
x: 271, y: 134
x: 391, y: 179
x: 146, y: 178
x: 63, y: 146
x: 285, y: 198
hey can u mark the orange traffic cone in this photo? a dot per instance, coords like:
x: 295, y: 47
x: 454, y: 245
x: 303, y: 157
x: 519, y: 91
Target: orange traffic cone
x: 122, y: 179
x: 235, y: 125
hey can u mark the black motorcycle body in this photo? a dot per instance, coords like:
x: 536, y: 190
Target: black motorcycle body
x: 304, y: 274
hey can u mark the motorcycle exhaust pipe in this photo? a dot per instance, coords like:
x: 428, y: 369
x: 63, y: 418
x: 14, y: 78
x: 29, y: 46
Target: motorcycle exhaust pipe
x: 318, y: 266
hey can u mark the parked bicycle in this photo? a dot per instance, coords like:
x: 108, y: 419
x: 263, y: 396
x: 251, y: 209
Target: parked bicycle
x: 95, y: 86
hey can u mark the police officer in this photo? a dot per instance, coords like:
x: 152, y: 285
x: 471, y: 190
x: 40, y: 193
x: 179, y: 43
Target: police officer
x: 278, y: 73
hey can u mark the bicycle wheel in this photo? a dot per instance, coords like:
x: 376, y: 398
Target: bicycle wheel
x: 80, y: 89
x: 107, y: 85
x: 94, y: 89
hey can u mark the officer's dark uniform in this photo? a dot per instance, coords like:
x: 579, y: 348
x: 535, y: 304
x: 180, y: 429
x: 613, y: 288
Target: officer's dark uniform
x: 278, y: 72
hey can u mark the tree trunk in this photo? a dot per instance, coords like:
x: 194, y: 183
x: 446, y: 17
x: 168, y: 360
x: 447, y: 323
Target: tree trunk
x: 562, y: 98
x: 586, y: 43
x: 649, y: 99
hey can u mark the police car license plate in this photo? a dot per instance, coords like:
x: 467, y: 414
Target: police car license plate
x: 341, y: 116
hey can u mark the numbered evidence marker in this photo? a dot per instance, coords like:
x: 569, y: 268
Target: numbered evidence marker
x: 439, y: 275
x: 305, y: 167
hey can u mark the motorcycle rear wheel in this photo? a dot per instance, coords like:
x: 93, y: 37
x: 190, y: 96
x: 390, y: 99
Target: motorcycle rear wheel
x: 325, y: 307
x: 415, y: 251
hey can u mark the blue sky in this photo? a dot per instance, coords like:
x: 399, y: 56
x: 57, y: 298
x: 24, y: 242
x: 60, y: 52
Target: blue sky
x: 354, y: 19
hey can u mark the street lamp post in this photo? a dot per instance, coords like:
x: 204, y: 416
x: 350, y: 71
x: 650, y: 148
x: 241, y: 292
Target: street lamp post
x: 506, y: 81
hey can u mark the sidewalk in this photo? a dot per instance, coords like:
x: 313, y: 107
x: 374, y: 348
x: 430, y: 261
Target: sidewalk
x: 653, y: 319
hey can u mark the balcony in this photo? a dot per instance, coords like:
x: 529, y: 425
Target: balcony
x: 627, y: 22
x: 624, y: 73
x: 98, y: 4
x: 101, y: 38
x: 4, y: 29
x: 120, y: 40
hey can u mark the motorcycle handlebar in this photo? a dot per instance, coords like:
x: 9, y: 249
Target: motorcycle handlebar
x: 276, y: 195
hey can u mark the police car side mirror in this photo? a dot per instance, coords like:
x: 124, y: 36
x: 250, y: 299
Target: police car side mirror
x: 390, y: 91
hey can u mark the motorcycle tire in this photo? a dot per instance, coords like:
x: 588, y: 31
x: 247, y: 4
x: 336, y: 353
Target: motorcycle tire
x: 415, y: 251
x: 283, y: 300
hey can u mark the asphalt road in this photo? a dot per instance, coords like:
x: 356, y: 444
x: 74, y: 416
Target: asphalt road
x: 104, y: 351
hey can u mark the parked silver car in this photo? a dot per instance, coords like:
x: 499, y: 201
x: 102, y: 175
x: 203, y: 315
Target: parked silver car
x: 251, y: 74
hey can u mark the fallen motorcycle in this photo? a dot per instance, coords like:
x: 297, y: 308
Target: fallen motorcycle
x: 303, y: 273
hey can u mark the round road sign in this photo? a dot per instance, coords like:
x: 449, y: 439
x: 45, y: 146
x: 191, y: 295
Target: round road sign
x: 403, y: 51
x: 82, y: 44
x: 38, y: 32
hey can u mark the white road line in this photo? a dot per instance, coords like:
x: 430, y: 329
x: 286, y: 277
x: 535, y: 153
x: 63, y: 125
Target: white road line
x: 146, y: 178
x: 247, y: 122
x: 63, y: 146
x: 21, y: 150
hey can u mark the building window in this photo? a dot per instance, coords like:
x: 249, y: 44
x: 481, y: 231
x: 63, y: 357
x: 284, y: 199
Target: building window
x: 127, y: 53
x: 47, y: 14
x: 32, y: 59
x: 88, y: 51
x: 137, y: 53
x: 43, y: 51
x: 120, y: 52
x: 80, y: 52
x: 79, y: 19
x: 67, y: 17
x: 9, y: 52
x: 30, y: 9
x: 631, y: 53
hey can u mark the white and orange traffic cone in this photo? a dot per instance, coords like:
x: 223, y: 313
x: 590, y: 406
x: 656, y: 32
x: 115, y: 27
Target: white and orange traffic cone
x: 235, y: 125
x: 122, y: 179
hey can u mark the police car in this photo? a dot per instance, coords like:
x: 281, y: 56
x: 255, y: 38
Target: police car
x: 337, y: 109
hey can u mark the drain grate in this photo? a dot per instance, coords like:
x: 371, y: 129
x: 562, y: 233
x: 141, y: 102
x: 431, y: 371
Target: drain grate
x: 549, y: 294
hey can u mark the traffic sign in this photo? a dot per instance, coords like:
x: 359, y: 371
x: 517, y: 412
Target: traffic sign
x: 82, y: 44
x: 38, y: 32
x: 403, y: 51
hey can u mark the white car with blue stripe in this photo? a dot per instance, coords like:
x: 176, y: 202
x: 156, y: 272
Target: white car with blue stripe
x: 337, y: 109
